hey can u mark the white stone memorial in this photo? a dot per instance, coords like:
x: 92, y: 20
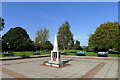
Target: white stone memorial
x: 55, y: 56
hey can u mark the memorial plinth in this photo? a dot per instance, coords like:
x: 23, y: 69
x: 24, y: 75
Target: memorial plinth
x: 55, y: 56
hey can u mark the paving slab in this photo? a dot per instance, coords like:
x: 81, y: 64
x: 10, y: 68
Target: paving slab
x: 33, y: 68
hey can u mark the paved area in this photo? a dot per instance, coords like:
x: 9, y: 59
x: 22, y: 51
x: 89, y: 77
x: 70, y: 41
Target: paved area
x: 77, y: 68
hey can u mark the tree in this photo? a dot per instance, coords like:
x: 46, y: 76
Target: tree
x: 4, y: 46
x: 41, y: 37
x: 27, y: 46
x: 1, y: 28
x: 15, y: 38
x: 89, y: 49
x: 1, y: 23
x: 71, y: 46
x: 47, y: 45
x: 65, y: 36
x: 77, y: 45
x: 105, y: 37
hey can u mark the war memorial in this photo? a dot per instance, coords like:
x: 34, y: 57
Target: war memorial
x: 54, y: 66
x: 55, y: 56
x: 86, y: 46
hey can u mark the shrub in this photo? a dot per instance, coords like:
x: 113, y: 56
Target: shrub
x: 89, y: 49
x: 113, y: 51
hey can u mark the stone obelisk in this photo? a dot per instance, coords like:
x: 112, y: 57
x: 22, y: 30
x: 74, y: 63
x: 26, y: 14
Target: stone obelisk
x: 55, y: 56
x: 55, y: 53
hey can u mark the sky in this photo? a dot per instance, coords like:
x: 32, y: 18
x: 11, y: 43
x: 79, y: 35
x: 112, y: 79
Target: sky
x: 83, y: 17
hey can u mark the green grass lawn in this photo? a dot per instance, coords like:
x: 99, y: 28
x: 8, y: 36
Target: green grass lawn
x: 90, y: 53
x: 95, y: 54
x: 69, y: 52
x: 87, y: 54
x: 113, y: 55
x: 26, y: 53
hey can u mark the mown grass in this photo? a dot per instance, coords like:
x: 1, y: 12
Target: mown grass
x: 69, y: 52
x: 25, y: 53
x: 90, y: 53
x: 95, y: 54
x: 87, y: 54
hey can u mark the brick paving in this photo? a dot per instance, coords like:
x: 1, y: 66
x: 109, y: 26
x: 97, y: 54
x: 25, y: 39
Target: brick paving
x: 77, y: 68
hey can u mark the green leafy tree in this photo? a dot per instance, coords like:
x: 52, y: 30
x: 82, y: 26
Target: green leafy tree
x: 27, y: 46
x: 71, y: 46
x: 1, y: 28
x: 77, y: 45
x: 105, y: 37
x: 41, y: 37
x: 47, y: 45
x: 65, y: 36
x: 1, y: 23
x: 89, y: 49
x: 4, y: 46
x: 15, y: 38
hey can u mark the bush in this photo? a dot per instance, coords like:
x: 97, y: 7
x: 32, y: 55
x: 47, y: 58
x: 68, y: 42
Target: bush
x: 25, y: 47
x: 89, y: 49
x: 95, y: 49
x: 113, y: 51
x: 47, y: 45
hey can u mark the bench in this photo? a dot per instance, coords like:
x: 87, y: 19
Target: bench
x: 8, y: 54
x: 64, y: 53
x: 80, y: 53
x: 102, y: 54
x: 73, y: 52
x: 36, y: 53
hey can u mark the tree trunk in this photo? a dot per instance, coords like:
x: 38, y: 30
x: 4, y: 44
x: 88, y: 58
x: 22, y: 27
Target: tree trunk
x: 64, y: 48
x: 40, y: 49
